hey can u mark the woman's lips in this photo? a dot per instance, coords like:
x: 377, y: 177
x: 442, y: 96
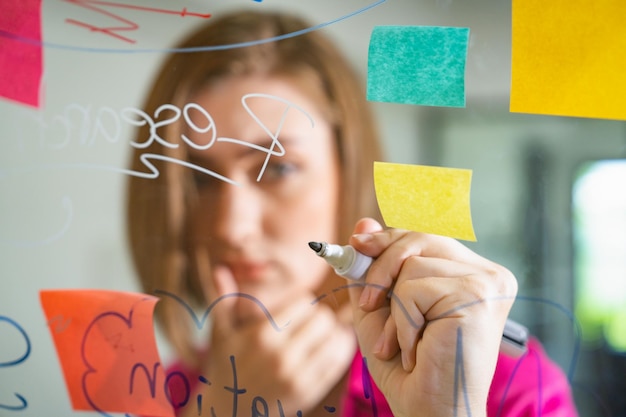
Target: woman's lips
x: 248, y: 270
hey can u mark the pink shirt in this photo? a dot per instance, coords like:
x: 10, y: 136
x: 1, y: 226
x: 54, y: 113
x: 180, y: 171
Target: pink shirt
x: 529, y: 386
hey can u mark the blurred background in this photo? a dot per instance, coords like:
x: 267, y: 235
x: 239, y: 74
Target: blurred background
x: 548, y: 193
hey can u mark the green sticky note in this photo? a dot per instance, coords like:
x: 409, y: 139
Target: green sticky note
x: 422, y: 65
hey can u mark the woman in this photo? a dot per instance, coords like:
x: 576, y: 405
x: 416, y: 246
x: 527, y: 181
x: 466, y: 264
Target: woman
x: 264, y: 148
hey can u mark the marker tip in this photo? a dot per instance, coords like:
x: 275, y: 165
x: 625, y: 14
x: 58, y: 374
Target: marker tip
x: 316, y: 246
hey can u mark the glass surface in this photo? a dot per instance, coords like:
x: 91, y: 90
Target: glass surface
x: 548, y: 192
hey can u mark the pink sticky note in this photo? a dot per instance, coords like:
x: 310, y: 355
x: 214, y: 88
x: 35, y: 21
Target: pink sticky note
x: 107, y: 350
x: 21, y: 61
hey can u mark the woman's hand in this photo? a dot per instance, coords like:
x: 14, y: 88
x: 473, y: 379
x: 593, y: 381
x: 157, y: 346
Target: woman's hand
x: 445, y: 317
x: 288, y: 362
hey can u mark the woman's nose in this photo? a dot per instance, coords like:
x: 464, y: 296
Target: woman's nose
x: 237, y: 214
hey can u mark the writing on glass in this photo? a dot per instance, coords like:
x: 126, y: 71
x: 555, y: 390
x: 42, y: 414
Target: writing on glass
x: 130, y: 26
x: 18, y: 402
x: 77, y: 126
x: 146, y: 373
x: 122, y: 24
x: 85, y: 127
x: 118, y: 324
x: 61, y: 228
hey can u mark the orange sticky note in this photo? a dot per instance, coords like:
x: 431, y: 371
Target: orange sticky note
x: 569, y: 58
x: 425, y: 198
x: 107, y: 350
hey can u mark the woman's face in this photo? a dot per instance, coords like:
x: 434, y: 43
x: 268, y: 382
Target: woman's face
x: 273, y: 142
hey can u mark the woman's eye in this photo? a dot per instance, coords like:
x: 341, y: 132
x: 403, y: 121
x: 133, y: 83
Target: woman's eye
x: 202, y: 179
x: 279, y: 170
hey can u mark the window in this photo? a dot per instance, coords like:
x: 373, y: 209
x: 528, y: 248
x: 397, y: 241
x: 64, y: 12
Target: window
x: 599, y: 232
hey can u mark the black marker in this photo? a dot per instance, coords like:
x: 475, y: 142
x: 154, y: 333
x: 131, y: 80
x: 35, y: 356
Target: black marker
x: 351, y: 264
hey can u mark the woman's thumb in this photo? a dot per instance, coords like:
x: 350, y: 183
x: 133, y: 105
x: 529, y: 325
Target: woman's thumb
x: 367, y: 225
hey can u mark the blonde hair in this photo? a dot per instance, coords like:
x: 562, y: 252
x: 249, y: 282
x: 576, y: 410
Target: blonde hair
x: 157, y: 208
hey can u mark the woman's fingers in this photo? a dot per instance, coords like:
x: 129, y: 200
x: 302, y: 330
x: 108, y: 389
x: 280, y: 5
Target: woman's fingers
x: 400, y: 251
x: 428, y: 304
x: 407, y: 242
x: 365, y: 227
x: 386, y: 347
x: 222, y: 301
x: 422, y: 278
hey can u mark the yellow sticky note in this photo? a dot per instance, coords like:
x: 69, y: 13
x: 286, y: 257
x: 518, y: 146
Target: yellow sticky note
x: 425, y: 198
x: 569, y: 58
